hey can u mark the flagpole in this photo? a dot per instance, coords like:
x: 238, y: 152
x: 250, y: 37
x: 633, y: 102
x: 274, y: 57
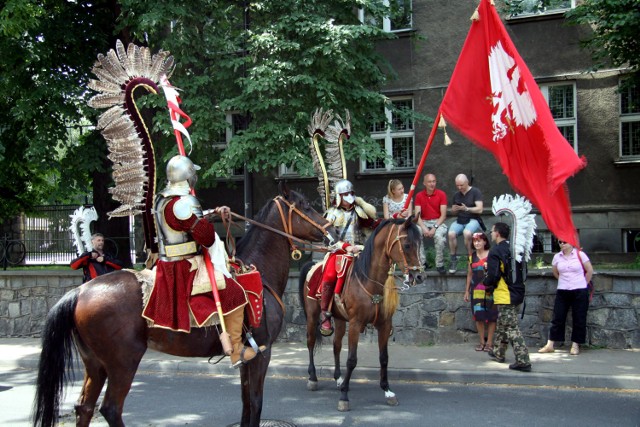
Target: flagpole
x: 422, y: 160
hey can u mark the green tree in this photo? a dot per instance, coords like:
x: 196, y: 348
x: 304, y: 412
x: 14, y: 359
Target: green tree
x: 272, y: 62
x: 616, y: 32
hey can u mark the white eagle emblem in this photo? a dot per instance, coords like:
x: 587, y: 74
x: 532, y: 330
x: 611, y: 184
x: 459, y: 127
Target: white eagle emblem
x: 512, y: 104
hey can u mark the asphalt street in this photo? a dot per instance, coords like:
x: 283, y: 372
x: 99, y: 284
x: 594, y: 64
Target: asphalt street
x: 162, y: 400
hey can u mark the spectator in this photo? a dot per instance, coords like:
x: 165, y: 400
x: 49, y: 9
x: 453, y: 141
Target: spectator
x: 96, y: 262
x: 482, y: 306
x: 508, y: 294
x: 431, y: 209
x: 393, y: 202
x: 573, y: 270
x: 467, y: 205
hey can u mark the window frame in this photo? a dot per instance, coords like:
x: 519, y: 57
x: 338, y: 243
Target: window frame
x: 624, y: 118
x: 221, y: 145
x: 515, y: 14
x: 566, y: 121
x: 386, y: 22
x: 388, y: 135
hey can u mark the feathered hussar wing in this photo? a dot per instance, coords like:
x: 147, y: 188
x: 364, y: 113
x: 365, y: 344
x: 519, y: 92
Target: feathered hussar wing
x: 336, y: 134
x: 524, y: 223
x: 80, y: 228
x: 317, y: 130
x: 117, y: 74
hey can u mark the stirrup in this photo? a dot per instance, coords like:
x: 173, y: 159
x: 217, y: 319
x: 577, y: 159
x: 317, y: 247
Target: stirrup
x: 242, y: 361
x: 326, y: 317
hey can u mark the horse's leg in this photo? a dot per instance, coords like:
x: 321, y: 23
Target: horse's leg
x: 384, y: 331
x: 94, y: 379
x: 312, y: 309
x: 340, y: 329
x: 252, y: 376
x: 352, y: 361
x: 113, y: 338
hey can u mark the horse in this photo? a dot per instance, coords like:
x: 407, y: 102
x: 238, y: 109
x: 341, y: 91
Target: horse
x: 393, y: 242
x: 103, y: 319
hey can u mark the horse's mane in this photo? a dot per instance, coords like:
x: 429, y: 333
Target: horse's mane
x: 261, y: 216
x: 363, y: 261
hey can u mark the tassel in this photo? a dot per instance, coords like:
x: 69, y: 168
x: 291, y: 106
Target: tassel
x: 475, y: 16
x: 447, y: 140
x: 443, y: 125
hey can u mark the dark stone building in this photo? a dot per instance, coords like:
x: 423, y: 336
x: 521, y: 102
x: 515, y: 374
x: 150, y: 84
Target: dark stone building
x: 599, y: 121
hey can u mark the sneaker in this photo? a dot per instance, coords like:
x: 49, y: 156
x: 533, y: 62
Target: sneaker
x: 441, y: 269
x: 524, y: 367
x: 496, y: 358
x: 453, y: 267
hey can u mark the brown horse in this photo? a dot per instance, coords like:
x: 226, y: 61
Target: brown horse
x: 369, y: 297
x: 103, y: 319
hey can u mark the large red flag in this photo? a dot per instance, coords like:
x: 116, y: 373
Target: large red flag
x: 494, y: 101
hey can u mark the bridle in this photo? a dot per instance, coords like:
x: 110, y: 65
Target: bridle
x: 391, y: 241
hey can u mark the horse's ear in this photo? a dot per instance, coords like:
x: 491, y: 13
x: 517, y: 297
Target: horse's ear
x: 407, y: 222
x: 283, y: 188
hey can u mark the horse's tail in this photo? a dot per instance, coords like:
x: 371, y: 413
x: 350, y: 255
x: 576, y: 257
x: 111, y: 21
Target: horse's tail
x: 55, y: 358
x: 301, y: 282
x: 390, y: 298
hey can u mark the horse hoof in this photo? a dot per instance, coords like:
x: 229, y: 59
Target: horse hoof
x: 343, y: 405
x: 312, y: 385
x: 392, y: 401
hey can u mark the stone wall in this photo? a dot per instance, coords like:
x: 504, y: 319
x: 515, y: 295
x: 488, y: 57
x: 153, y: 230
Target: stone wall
x: 430, y: 314
x: 435, y: 313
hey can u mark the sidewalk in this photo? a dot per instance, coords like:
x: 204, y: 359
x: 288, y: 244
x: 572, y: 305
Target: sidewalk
x: 456, y: 363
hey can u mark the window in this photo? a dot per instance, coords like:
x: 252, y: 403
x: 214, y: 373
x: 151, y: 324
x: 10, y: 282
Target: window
x: 537, y: 7
x: 562, y: 103
x: 399, y: 18
x: 630, y: 121
x: 395, y: 136
x: 287, y: 171
x: 236, y: 123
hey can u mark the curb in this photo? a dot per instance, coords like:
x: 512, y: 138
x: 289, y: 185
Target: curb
x: 325, y: 373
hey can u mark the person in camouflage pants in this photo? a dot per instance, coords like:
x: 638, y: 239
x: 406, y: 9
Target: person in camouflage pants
x: 507, y: 330
x: 508, y: 294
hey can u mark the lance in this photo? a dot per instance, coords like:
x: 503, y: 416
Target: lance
x: 173, y: 101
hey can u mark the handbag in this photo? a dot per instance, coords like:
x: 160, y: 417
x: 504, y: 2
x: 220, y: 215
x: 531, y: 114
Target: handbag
x: 590, y: 286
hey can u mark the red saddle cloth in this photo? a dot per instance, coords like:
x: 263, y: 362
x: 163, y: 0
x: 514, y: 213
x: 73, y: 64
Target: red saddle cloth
x: 171, y: 303
x: 313, y: 285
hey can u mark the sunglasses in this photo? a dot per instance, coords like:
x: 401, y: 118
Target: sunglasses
x: 560, y: 242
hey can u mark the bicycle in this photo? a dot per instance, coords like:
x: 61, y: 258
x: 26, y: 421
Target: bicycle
x: 12, y: 252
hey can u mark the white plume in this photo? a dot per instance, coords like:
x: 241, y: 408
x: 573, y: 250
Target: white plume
x: 524, y: 223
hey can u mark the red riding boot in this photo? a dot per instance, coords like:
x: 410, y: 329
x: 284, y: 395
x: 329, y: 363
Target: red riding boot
x: 326, y: 328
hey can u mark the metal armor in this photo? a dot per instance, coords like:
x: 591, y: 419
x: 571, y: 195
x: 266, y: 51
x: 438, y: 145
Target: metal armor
x: 175, y: 245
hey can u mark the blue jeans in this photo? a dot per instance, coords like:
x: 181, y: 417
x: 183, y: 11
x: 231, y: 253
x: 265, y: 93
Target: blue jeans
x: 473, y: 225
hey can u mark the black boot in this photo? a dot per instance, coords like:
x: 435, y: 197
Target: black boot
x: 326, y: 328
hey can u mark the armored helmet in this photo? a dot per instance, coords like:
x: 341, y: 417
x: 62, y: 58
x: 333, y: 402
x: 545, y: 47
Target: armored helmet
x: 344, y: 190
x: 180, y: 169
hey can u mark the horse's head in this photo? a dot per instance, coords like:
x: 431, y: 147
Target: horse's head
x: 300, y: 219
x: 403, y: 246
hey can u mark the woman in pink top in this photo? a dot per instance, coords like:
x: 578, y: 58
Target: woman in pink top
x: 572, y: 293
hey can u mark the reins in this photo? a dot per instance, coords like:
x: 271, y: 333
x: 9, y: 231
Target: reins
x: 286, y: 225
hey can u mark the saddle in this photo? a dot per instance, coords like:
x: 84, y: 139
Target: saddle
x: 314, y: 291
x: 243, y: 288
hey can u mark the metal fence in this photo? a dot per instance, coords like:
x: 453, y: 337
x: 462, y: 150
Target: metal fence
x: 48, y: 239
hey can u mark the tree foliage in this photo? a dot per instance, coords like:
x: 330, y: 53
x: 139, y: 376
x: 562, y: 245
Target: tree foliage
x: 616, y: 32
x: 271, y: 62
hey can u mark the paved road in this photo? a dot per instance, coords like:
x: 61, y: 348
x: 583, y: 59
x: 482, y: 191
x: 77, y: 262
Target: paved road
x: 188, y: 399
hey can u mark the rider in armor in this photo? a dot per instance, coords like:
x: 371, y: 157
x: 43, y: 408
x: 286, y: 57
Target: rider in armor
x: 183, y: 232
x: 350, y: 216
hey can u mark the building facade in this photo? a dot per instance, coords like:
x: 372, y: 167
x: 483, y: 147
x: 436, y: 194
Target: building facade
x: 600, y: 121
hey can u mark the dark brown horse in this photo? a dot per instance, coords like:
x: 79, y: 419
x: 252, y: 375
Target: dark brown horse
x: 370, y: 297
x: 103, y: 319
